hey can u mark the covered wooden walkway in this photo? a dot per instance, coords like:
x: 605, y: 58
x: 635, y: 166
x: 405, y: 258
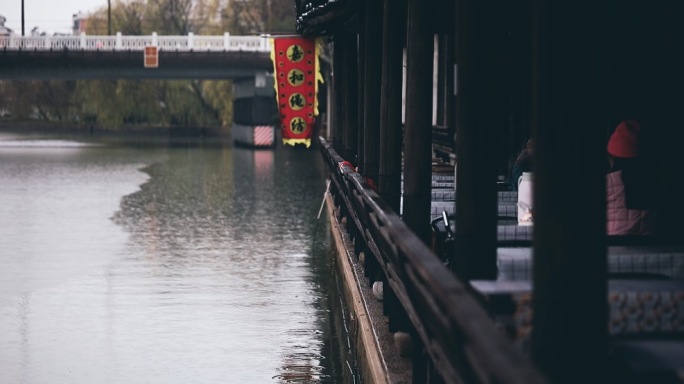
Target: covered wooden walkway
x: 489, y: 75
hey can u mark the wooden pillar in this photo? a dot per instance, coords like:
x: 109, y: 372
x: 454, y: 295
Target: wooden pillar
x: 394, y: 37
x: 327, y: 116
x: 450, y: 78
x: 672, y: 37
x: 520, y: 55
x: 350, y: 96
x: 359, y: 96
x: 336, y: 92
x: 451, y: 99
x: 481, y: 94
x: 418, y: 140
x: 441, y: 81
x: 570, y: 313
x: 446, y: 28
x: 373, y: 78
x: 646, y: 85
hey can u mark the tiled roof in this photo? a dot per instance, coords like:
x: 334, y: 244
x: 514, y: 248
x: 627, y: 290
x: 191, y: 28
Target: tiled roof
x: 321, y: 17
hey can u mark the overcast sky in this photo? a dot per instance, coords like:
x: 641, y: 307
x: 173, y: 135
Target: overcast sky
x: 48, y: 15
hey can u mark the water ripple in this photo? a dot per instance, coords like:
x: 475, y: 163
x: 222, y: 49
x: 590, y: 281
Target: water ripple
x: 200, y: 269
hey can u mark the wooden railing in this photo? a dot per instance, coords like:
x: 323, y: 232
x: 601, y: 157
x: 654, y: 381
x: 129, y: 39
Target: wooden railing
x: 454, y: 338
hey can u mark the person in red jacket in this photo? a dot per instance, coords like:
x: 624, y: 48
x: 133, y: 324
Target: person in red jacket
x: 630, y: 184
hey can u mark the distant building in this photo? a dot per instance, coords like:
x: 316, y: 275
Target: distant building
x: 4, y: 31
x: 37, y: 32
x: 80, y: 23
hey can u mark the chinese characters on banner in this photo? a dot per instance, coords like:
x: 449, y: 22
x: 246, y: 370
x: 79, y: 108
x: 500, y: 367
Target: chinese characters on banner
x: 296, y: 71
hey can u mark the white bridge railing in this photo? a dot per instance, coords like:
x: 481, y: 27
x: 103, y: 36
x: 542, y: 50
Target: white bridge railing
x: 119, y: 42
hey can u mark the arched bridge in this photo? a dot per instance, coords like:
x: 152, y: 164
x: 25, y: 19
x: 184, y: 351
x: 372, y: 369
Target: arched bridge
x: 122, y: 57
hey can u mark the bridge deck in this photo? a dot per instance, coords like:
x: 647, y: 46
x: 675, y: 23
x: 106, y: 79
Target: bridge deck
x: 122, y: 57
x: 78, y: 65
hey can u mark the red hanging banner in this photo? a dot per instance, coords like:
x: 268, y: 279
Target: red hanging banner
x: 296, y: 71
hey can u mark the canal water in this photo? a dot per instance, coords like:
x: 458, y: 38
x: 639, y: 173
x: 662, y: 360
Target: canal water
x: 171, y: 262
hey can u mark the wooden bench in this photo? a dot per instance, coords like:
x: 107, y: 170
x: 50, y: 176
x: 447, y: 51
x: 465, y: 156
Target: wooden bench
x: 516, y: 263
x: 638, y: 307
x: 645, y: 325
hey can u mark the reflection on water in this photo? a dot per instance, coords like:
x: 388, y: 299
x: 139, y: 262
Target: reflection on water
x: 175, y: 264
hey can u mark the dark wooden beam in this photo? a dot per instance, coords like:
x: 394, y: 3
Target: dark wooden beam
x: 450, y: 79
x: 441, y: 80
x: 418, y: 139
x: 519, y: 57
x: 360, y: 99
x: 337, y: 92
x: 481, y: 94
x: 394, y: 39
x: 570, y: 322
x: 350, y: 95
x: 371, y: 88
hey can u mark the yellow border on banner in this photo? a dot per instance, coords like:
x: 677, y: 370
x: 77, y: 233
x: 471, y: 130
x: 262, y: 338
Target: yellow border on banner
x: 292, y: 142
x: 275, y: 69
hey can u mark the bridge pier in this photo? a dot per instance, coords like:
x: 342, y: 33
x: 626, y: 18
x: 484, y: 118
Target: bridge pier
x: 255, y: 112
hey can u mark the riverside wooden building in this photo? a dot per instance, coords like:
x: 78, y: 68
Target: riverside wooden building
x: 412, y: 79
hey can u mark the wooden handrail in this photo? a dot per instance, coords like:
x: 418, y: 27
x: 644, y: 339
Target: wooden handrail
x: 456, y: 332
